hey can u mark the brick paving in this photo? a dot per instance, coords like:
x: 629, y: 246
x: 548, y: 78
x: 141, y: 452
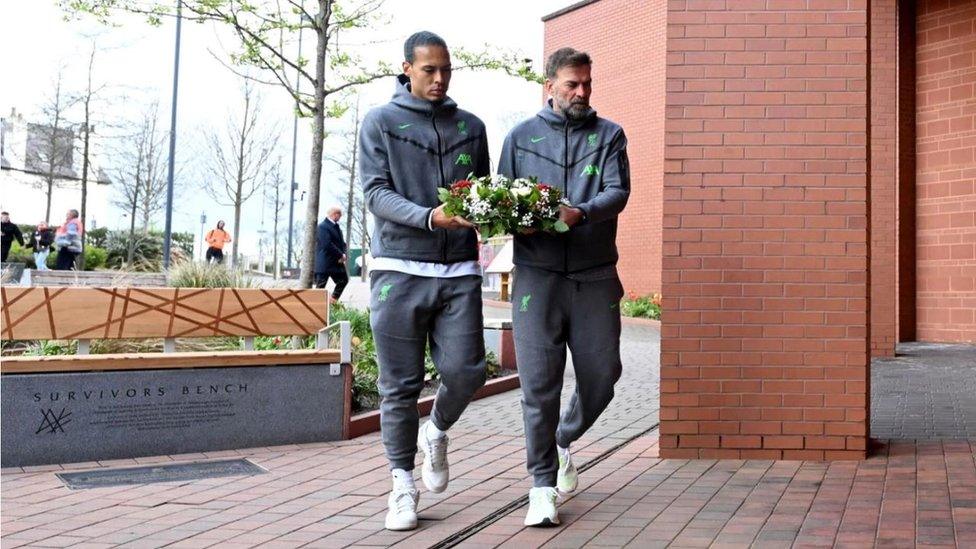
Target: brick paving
x: 334, y: 495
x: 927, y: 392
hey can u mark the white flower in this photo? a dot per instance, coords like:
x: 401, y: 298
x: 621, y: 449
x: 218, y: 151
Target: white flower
x: 524, y: 191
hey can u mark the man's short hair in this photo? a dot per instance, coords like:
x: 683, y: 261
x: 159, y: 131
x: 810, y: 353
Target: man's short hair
x: 419, y: 40
x: 4, y: 213
x: 74, y: 213
x: 333, y: 209
x: 566, y: 57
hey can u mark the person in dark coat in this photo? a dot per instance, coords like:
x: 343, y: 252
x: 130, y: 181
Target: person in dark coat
x: 40, y: 242
x: 10, y: 232
x: 330, y: 254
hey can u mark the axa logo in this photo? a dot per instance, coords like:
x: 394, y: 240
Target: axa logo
x: 591, y: 169
x: 463, y: 159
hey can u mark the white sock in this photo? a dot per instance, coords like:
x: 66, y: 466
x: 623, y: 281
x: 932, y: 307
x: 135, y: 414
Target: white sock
x: 433, y: 432
x: 564, y: 452
x: 403, y: 479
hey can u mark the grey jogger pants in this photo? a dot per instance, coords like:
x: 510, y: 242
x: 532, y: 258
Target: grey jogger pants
x: 550, y: 312
x: 406, y: 312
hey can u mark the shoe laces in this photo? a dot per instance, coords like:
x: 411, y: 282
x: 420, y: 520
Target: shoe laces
x: 543, y: 495
x: 403, y: 499
x: 438, y: 451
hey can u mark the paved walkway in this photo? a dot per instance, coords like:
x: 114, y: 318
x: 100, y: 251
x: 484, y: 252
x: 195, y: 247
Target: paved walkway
x: 334, y: 495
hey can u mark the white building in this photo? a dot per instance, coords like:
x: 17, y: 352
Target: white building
x: 27, y: 152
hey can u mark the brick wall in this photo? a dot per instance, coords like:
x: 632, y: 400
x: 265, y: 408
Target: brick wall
x: 946, y: 170
x: 764, y: 345
x: 626, y: 39
x: 884, y: 199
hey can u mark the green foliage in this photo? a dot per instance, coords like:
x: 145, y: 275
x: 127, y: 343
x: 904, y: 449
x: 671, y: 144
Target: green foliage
x: 19, y: 254
x: 193, y: 274
x: 52, y: 347
x: 148, y: 250
x: 648, y: 306
x: 96, y: 237
x: 94, y: 257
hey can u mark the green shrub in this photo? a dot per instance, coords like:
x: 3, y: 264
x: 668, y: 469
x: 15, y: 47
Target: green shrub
x: 51, y: 347
x: 147, y: 249
x: 648, y: 306
x: 94, y: 257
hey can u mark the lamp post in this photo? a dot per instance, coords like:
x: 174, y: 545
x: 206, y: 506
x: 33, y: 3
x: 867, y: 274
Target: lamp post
x: 168, y: 236
x: 203, y: 223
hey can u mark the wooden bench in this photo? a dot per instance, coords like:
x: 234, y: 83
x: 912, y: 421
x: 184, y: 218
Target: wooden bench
x: 61, y: 409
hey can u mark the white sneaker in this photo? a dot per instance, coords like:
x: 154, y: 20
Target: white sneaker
x: 403, y: 508
x: 542, y: 507
x: 435, y: 469
x: 566, y: 478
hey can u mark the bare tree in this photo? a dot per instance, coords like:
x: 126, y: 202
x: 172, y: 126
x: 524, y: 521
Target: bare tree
x: 50, y: 144
x: 275, y: 192
x: 240, y: 159
x: 347, y: 163
x: 85, y: 134
x: 141, y: 173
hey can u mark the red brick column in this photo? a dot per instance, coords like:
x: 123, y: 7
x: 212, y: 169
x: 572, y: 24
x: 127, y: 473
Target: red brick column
x: 946, y: 170
x: 884, y: 198
x: 764, y: 348
x: 626, y: 39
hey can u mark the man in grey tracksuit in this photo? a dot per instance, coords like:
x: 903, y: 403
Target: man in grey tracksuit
x: 425, y: 278
x: 566, y: 287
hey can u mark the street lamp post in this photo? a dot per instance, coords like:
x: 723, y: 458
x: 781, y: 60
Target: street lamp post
x: 168, y: 237
x: 203, y: 223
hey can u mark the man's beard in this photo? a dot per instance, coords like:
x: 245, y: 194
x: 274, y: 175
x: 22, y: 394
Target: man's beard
x: 574, y: 111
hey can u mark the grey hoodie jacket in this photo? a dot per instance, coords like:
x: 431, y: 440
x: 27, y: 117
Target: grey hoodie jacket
x: 587, y: 160
x: 407, y: 149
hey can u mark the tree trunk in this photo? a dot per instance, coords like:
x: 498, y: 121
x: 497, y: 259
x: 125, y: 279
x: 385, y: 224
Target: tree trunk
x: 132, y: 231
x: 350, y: 203
x: 84, y: 160
x: 235, y: 259
x: 318, y: 137
x: 50, y: 189
x: 274, y: 231
x: 362, y: 252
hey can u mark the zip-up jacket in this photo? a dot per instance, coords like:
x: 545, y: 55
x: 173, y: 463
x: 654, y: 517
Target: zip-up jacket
x: 407, y: 149
x: 587, y: 160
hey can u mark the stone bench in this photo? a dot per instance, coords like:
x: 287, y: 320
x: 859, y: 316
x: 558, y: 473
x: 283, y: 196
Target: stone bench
x: 62, y: 409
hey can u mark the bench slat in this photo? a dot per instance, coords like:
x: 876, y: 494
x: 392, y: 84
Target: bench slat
x: 157, y: 361
x: 116, y: 313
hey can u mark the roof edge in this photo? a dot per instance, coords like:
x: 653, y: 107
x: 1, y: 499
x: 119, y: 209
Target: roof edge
x: 567, y: 9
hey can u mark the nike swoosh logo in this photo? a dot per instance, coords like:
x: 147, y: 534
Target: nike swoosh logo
x: 536, y: 139
x: 404, y: 126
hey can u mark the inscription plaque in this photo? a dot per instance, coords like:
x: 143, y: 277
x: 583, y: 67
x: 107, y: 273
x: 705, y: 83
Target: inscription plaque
x: 91, y: 416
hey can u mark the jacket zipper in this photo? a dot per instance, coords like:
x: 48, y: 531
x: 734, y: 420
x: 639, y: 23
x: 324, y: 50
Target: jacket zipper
x: 566, y: 196
x: 440, y: 168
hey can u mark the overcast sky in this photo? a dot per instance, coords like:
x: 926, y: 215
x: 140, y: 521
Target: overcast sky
x: 136, y: 66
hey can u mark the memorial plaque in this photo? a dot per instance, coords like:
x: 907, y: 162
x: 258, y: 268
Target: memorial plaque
x: 93, y: 416
x: 174, y: 472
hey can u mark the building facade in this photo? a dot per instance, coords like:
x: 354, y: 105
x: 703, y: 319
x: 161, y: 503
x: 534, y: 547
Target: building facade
x: 818, y: 202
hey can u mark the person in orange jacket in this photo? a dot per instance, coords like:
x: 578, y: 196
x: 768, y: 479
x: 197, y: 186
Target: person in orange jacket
x: 216, y: 239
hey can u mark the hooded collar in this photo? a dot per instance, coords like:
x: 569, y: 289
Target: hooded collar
x: 559, y: 120
x: 403, y: 98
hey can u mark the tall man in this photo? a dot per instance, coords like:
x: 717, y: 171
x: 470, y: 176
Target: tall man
x: 566, y: 287
x: 330, y: 254
x: 425, y: 281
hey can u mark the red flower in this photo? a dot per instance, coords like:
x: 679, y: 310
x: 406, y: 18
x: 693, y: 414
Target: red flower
x: 463, y: 184
x: 544, y: 187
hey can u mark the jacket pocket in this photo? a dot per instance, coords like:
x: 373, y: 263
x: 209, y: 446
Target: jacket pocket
x: 403, y: 238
